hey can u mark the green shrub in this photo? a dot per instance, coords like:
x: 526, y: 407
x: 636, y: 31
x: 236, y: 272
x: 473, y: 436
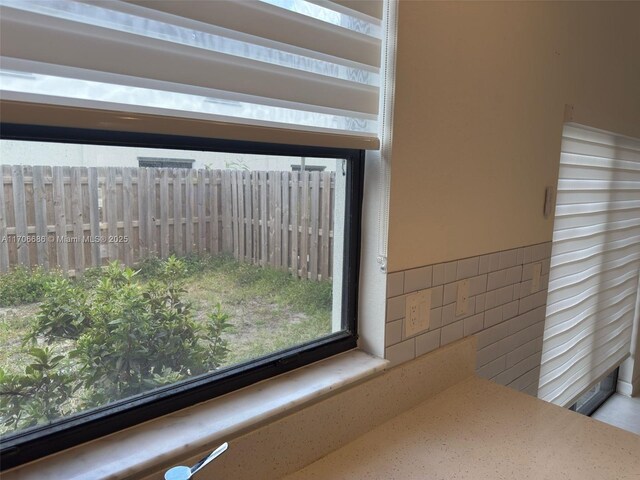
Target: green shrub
x: 37, y: 396
x: 127, y: 337
x: 24, y: 285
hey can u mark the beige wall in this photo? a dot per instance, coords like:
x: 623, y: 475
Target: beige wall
x: 480, y: 101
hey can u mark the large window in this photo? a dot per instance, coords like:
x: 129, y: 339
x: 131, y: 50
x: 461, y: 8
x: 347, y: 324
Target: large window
x: 145, y: 266
x: 127, y: 292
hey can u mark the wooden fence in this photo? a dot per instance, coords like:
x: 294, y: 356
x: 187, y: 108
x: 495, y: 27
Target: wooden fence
x: 73, y: 218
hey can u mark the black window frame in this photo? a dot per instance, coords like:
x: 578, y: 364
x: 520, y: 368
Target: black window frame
x: 40, y: 441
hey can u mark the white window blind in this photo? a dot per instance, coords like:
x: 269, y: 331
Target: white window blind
x: 309, y: 68
x: 595, y: 259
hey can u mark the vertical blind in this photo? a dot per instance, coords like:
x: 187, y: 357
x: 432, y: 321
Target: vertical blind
x: 595, y: 260
x: 309, y: 66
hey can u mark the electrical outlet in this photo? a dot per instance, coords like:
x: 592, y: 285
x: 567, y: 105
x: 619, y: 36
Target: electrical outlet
x: 462, y: 303
x: 535, y: 279
x: 417, y: 314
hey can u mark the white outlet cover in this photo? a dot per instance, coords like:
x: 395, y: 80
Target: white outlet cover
x: 417, y: 312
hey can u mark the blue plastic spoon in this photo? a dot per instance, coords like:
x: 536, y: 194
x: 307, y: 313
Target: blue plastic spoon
x: 185, y: 473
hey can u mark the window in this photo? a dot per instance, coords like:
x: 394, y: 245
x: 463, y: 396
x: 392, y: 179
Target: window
x: 142, y: 290
x: 74, y: 123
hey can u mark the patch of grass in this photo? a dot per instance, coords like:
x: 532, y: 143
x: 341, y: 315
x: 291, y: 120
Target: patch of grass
x: 24, y: 285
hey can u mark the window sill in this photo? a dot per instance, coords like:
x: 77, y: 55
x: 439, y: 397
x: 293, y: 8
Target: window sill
x: 171, y: 439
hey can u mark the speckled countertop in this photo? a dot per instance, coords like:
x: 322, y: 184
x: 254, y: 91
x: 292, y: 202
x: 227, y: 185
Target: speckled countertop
x: 479, y: 430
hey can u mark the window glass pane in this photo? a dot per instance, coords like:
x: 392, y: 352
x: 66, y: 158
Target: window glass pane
x: 118, y: 279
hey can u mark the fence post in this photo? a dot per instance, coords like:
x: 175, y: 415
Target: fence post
x: 4, y: 241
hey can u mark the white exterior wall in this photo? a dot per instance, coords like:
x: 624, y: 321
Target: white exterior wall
x: 16, y: 152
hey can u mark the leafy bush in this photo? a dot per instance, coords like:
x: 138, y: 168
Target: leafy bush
x: 24, y: 285
x: 126, y: 337
x: 37, y: 396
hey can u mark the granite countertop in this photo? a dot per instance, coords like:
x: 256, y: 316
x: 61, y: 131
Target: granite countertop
x: 479, y: 430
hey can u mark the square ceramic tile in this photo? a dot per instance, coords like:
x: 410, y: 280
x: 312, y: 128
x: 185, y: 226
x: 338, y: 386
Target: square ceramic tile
x: 435, y: 319
x: 508, y: 259
x: 510, y: 310
x: 396, y: 308
x: 528, y: 255
x: 451, y: 333
x: 427, y: 342
x: 493, y: 368
x: 477, y: 285
x: 514, y: 275
x: 487, y: 354
x: 492, y: 317
x: 401, y: 352
x: 395, y: 284
x: 438, y: 274
x: 417, y: 279
x: 473, y: 324
x: 450, y: 293
x: 484, y: 264
x: 450, y: 272
x: 494, y: 262
x: 436, y: 296
x: 497, y: 279
x: 467, y: 268
x: 491, y: 335
x: 393, y: 333
x: 480, y: 303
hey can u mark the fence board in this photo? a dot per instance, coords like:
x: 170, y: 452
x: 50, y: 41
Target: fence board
x: 143, y: 213
x: 94, y: 216
x: 62, y: 252
x: 40, y: 206
x: 77, y: 220
x: 247, y: 223
x: 20, y: 212
x: 325, y: 225
x: 295, y: 215
x: 255, y: 218
x: 315, y: 222
x: 202, y: 226
x: 112, y: 213
x: 215, y: 216
x: 241, y: 215
x: 304, y: 224
x: 127, y: 197
x: 271, y: 219
x: 4, y: 238
x: 264, y: 233
x: 189, y: 205
x: 276, y: 193
x: 285, y: 219
x: 227, y: 234
x: 164, y: 212
x: 177, y: 210
x: 235, y: 215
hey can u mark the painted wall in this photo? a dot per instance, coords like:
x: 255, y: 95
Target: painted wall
x: 480, y: 102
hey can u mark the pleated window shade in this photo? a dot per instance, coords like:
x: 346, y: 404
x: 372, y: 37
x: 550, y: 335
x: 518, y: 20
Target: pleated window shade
x: 310, y: 68
x: 594, y: 264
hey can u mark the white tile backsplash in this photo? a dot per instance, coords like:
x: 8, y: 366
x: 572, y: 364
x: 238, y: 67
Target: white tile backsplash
x: 503, y: 313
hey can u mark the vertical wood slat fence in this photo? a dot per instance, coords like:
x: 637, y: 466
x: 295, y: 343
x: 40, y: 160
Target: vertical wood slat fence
x: 74, y: 218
